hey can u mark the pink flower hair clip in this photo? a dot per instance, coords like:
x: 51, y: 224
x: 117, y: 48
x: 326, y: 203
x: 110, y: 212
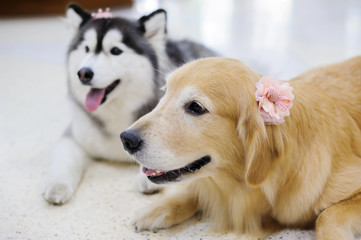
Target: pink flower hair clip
x: 101, y: 14
x: 274, y: 100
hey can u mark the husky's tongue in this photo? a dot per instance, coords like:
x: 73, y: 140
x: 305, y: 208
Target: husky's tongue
x: 94, y: 99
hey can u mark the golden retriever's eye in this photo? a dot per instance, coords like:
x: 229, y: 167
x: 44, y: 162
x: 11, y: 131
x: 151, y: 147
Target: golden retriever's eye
x: 115, y: 51
x: 195, y: 108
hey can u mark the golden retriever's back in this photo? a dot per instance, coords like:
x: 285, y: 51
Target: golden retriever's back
x: 324, y: 133
x: 341, y: 82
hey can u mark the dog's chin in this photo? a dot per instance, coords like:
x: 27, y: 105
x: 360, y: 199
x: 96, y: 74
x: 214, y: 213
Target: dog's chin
x: 160, y: 176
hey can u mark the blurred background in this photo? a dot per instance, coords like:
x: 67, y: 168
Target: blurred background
x: 282, y: 38
x: 278, y: 37
x: 274, y: 37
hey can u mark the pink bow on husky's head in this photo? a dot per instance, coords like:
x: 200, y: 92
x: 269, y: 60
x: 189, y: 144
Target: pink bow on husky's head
x: 101, y: 14
x: 274, y: 100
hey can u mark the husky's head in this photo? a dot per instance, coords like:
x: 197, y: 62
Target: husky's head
x: 114, y: 58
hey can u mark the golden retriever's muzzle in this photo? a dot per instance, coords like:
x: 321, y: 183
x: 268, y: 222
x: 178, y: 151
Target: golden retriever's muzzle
x: 133, y: 144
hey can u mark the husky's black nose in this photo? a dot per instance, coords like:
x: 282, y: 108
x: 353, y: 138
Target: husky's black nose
x: 131, y: 141
x: 85, y: 75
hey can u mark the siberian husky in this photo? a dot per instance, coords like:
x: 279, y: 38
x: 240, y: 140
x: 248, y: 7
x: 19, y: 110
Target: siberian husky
x: 116, y: 68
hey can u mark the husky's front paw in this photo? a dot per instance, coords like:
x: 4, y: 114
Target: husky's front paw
x: 58, y: 193
x: 145, y: 186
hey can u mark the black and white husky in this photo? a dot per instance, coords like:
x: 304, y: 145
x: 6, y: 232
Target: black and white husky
x: 116, y: 68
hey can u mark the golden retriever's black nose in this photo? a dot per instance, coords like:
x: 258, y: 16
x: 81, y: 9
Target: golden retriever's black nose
x: 85, y: 75
x: 131, y: 141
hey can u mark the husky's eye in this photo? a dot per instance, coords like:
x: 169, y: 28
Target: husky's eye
x: 86, y: 49
x: 195, y: 108
x: 115, y: 51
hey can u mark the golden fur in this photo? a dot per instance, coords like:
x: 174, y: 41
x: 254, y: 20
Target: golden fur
x: 305, y: 170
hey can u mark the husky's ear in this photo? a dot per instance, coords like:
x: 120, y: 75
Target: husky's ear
x: 153, y: 26
x: 262, y: 146
x: 76, y: 16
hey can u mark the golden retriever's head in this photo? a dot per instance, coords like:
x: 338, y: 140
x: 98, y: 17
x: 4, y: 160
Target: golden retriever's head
x: 207, y: 122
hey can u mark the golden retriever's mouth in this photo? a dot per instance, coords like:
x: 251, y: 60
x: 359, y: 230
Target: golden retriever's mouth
x: 159, y: 176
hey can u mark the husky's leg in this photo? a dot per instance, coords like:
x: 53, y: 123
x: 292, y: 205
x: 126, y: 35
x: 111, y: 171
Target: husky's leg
x: 144, y: 185
x: 68, y: 162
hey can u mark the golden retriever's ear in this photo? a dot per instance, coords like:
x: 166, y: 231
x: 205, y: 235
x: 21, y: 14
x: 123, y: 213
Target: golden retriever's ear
x: 256, y: 144
x: 263, y: 145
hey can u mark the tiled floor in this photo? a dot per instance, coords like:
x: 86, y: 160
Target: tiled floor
x: 275, y: 37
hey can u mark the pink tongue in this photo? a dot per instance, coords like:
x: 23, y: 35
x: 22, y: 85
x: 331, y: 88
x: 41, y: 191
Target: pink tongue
x: 94, y: 98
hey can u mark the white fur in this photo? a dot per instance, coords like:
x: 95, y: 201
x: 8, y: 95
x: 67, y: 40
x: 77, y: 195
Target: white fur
x: 155, y: 33
x: 145, y: 186
x: 68, y: 162
x: 155, y: 28
x: 135, y: 89
x: 117, y: 113
x: 70, y: 156
x: 73, y: 20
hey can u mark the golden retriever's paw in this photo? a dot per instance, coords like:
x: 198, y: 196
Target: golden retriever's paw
x: 153, y: 219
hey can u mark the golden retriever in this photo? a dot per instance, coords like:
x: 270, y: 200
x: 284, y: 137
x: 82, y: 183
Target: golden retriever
x: 207, y: 132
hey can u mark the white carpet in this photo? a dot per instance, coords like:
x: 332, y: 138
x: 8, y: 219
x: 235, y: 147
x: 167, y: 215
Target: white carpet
x: 33, y: 113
